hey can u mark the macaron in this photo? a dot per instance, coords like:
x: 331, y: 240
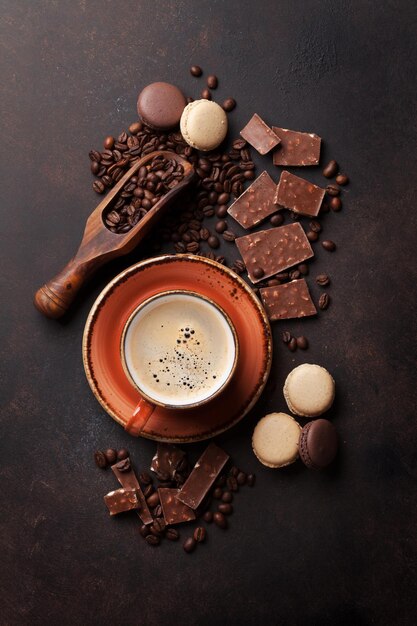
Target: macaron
x: 160, y: 105
x: 318, y: 444
x: 309, y: 390
x: 203, y: 124
x: 275, y: 440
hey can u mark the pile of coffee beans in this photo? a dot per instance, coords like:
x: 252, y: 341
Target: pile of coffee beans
x: 142, y: 192
x: 293, y: 343
x: 105, y: 458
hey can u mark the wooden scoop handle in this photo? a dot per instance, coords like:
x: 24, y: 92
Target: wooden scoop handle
x: 56, y: 296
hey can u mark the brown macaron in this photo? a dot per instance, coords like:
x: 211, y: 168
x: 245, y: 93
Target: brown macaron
x: 160, y: 105
x: 318, y: 444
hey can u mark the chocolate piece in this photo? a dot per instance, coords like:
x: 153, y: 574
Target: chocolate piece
x: 169, y: 463
x: 129, y: 481
x: 287, y: 301
x: 299, y: 195
x: 256, y: 203
x: 174, y: 511
x: 259, y: 135
x: 273, y: 250
x: 121, y: 500
x: 202, y: 477
x: 296, y: 148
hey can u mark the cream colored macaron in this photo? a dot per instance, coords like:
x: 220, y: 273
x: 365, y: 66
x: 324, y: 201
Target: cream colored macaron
x: 309, y: 390
x: 275, y: 440
x: 203, y: 124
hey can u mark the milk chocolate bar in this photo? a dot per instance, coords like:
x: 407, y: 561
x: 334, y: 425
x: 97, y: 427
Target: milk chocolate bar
x: 256, y: 203
x: 175, y: 511
x: 296, y: 148
x: 269, y: 252
x: 259, y: 135
x: 203, y: 475
x: 287, y: 301
x: 299, y: 195
x: 127, y: 478
x: 121, y: 500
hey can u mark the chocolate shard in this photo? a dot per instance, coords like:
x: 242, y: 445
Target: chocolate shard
x: 174, y: 511
x: 259, y: 135
x: 296, y: 148
x: 256, y: 203
x: 122, y: 500
x: 274, y: 250
x: 203, y: 475
x: 170, y: 463
x: 129, y: 481
x: 287, y: 301
x: 299, y: 195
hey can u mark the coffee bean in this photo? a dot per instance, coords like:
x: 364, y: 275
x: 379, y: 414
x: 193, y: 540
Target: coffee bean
x: 229, y: 104
x: 145, y: 478
x: 292, y: 344
x: 124, y: 465
x: 94, y: 156
x: 251, y: 480
x: 331, y: 169
x: 212, y: 81
x: 221, y: 481
x: 208, y: 517
x: 302, y: 342
x: 192, y: 247
x: 220, y: 520
x: 154, y: 530
x: 315, y: 226
x: 98, y: 186
x: 328, y: 245
x: 135, y: 128
x: 153, y: 499
x: 153, y: 540
x: 217, y: 493
x: 221, y: 210
x: 232, y: 483
x: 223, y: 198
x: 258, y: 272
x: 303, y: 269
x: 332, y: 190
x: 111, y: 456
x: 204, y: 234
x: 213, y: 241
x: 342, y: 179
x: 273, y: 282
x: 100, y: 459
x: 157, y: 511
x: 229, y: 235
x: 172, y: 534
x: 324, y: 301
x: 123, y: 453
x: 234, y: 471
x: 206, y: 94
x: 286, y: 336
x: 200, y: 534
x: 94, y: 167
x: 159, y: 524
x: 323, y: 280
x: 239, y: 144
x: 241, y: 478
x: 221, y: 226
x: 277, y: 219
x: 196, y: 70
x: 312, y: 236
x: 225, y: 508
x: 108, y: 142
x: 294, y: 274
x: 189, y: 544
x: 335, y: 204
x: 144, y: 530
x: 148, y: 490
x: 239, y: 266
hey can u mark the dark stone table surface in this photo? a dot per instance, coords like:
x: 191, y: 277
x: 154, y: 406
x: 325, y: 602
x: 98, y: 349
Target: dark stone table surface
x: 303, y: 548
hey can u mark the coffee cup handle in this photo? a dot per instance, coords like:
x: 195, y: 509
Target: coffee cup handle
x: 140, y: 417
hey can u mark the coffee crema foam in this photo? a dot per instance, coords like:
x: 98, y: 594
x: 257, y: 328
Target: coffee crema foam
x: 179, y: 349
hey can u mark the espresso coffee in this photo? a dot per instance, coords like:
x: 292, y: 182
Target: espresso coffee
x: 179, y: 349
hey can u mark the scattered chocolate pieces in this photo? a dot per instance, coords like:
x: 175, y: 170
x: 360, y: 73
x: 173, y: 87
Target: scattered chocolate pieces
x: 299, y: 195
x: 174, y: 511
x: 202, y: 477
x: 256, y: 203
x: 288, y: 301
x: 259, y: 135
x: 296, y: 148
x: 121, y: 500
x: 129, y: 481
x: 272, y: 251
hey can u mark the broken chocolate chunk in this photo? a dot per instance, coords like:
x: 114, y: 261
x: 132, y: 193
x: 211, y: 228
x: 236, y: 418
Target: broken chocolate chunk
x: 299, y: 195
x: 122, y: 500
x: 129, y: 481
x: 288, y: 301
x: 259, y: 135
x: 296, y: 149
x: 174, y: 511
x: 256, y: 203
x: 203, y: 475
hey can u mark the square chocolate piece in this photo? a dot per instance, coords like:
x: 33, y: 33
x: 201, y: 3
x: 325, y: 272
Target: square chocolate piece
x: 256, y: 203
x: 175, y: 512
x: 296, y: 148
x: 299, y: 195
x: 269, y: 252
x: 259, y: 135
x: 203, y: 475
x: 285, y: 302
x: 121, y: 500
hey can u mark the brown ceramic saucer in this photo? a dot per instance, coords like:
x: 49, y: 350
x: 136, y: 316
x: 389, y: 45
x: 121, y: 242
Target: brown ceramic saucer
x: 104, y: 327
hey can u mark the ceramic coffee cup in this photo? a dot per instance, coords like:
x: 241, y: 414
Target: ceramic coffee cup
x: 179, y: 349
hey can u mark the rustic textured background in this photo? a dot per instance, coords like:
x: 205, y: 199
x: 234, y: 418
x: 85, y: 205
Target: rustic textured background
x: 335, y: 548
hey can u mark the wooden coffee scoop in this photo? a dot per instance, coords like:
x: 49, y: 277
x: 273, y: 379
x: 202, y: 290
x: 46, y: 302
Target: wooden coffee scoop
x: 100, y: 245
